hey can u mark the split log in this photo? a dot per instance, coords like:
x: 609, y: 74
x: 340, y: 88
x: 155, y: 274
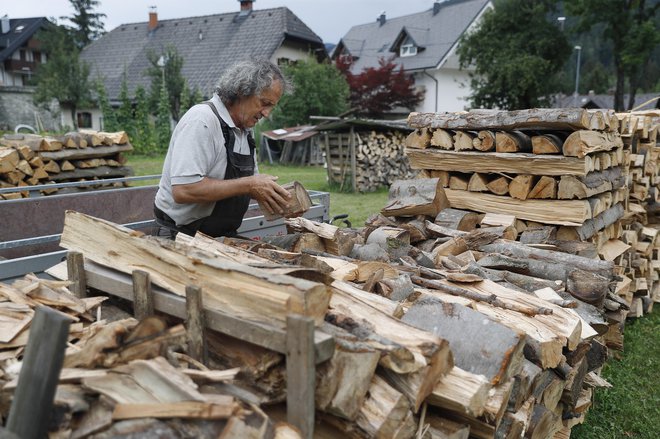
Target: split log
x: 547, y: 144
x: 521, y: 186
x: 581, y: 143
x: 8, y: 160
x: 386, y: 412
x: 442, y: 139
x: 512, y: 141
x: 429, y: 356
x: 415, y: 197
x: 296, y: 242
x: 495, y: 351
x: 515, y: 163
x: 456, y: 219
x: 173, y: 268
x: 461, y: 392
x: 344, y: 380
x: 499, y: 186
x: 458, y: 182
x: 337, y: 241
x: 420, y: 138
x: 463, y: 141
x: 299, y: 204
x: 478, y: 183
x: 545, y: 188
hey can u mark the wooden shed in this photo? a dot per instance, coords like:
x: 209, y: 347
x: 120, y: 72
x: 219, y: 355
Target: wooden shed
x: 365, y: 154
x: 297, y: 145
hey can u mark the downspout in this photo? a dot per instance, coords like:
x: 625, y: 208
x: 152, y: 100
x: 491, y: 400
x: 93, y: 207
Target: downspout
x: 436, y: 88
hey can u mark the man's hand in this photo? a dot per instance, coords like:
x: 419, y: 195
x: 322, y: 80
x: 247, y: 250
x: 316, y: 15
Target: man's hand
x: 272, y: 196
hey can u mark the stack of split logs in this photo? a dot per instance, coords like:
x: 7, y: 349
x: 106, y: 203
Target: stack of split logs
x: 562, y: 168
x: 640, y: 264
x: 30, y: 159
x: 438, y: 332
x: 367, y: 160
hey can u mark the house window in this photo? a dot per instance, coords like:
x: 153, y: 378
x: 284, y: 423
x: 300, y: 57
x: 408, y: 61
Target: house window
x: 84, y: 120
x: 408, y: 48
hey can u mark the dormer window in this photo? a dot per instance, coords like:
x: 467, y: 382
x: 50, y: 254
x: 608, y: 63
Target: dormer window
x: 407, y: 46
x: 408, y: 50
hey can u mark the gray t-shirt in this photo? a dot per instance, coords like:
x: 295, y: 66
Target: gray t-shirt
x: 197, y: 150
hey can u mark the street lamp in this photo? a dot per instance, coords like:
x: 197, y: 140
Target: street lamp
x: 561, y: 21
x: 577, y: 74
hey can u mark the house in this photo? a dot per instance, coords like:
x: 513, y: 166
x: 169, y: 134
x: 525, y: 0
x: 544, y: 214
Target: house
x: 424, y: 44
x: 207, y: 44
x: 20, y: 55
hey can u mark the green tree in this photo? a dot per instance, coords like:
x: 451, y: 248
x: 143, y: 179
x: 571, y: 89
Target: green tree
x: 515, y: 52
x: 65, y: 77
x: 87, y: 24
x: 632, y: 28
x: 143, y: 140
x: 189, y: 98
x: 163, y: 125
x: 311, y: 96
x: 109, y: 116
x: 124, y: 113
x: 167, y: 66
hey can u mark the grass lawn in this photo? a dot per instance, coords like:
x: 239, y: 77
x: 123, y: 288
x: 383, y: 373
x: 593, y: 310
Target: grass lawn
x: 631, y: 409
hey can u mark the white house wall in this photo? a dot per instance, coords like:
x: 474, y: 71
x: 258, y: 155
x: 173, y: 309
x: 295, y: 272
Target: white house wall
x: 97, y: 117
x: 290, y: 52
x: 451, y: 95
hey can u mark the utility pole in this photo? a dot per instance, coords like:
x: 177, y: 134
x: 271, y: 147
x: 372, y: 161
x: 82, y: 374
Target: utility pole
x: 577, y: 76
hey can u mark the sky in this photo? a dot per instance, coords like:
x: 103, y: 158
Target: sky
x: 330, y: 19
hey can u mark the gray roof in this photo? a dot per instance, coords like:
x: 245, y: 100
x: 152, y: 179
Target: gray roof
x: 17, y: 36
x: 606, y: 101
x: 224, y: 40
x: 434, y: 34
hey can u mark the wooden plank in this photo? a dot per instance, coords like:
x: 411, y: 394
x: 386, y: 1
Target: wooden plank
x: 119, y: 284
x: 516, y: 163
x: 32, y: 405
x: 195, y: 324
x: 143, y: 301
x: 562, y: 212
x: 86, y: 153
x: 300, y: 373
x: 535, y: 118
x: 183, y: 409
x: 230, y: 286
x: 76, y: 271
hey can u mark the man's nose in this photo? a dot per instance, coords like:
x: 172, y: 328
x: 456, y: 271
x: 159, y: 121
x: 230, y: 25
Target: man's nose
x: 266, y: 112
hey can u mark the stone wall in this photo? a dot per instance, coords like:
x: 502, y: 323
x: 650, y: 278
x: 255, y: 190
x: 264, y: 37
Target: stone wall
x: 17, y: 107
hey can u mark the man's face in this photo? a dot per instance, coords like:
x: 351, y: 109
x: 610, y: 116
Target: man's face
x: 246, y: 112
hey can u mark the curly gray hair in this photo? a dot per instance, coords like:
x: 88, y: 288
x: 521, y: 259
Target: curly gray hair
x: 249, y: 78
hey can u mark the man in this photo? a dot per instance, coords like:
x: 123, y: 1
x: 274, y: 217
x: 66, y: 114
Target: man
x: 209, y: 172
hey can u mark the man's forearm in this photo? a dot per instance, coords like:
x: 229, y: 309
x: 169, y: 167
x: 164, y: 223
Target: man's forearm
x: 210, y: 189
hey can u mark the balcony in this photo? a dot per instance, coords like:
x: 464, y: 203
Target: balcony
x: 20, y: 66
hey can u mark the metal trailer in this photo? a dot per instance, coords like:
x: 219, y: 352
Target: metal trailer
x: 31, y: 227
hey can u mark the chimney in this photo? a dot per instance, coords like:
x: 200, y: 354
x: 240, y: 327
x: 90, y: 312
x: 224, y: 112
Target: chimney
x: 246, y: 5
x: 4, y: 24
x: 381, y: 18
x: 436, y: 7
x: 153, y: 18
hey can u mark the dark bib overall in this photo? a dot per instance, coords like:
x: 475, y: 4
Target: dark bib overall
x: 227, y: 215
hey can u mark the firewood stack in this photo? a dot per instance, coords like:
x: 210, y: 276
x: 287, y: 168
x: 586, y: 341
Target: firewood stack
x: 561, y: 168
x: 456, y: 332
x: 641, y: 264
x: 30, y: 159
x: 366, y: 160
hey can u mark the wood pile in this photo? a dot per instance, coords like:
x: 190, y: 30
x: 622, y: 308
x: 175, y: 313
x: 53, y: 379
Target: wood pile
x: 438, y: 332
x: 116, y: 379
x: 30, y: 159
x: 558, y: 167
x: 640, y: 264
x: 365, y: 161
